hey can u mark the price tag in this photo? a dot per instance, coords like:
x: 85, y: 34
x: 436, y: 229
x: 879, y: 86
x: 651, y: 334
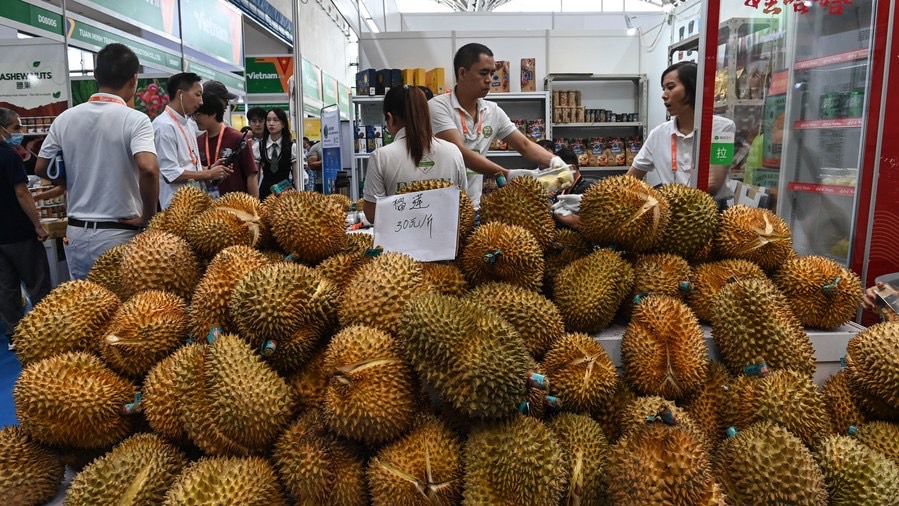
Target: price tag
x: 423, y: 225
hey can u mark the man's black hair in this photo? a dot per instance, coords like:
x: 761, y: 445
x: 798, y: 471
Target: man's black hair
x: 183, y: 81
x: 256, y: 113
x: 116, y: 65
x: 212, y: 106
x: 568, y: 157
x: 468, y: 55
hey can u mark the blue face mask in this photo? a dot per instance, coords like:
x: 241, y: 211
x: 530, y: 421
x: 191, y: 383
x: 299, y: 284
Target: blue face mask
x: 15, y: 139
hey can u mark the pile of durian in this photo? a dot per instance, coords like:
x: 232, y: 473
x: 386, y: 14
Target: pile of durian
x: 253, y: 353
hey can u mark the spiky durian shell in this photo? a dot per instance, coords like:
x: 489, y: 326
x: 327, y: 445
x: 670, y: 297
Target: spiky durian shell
x: 421, y: 469
x: 220, y: 227
x: 139, y: 470
x: 30, y: 473
x: 881, y: 436
x: 379, y: 292
x: 160, y: 261
x: 567, y: 246
x: 514, y: 462
x: 309, y: 383
x: 611, y: 409
x: 70, y: 318
x: 637, y: 414
x: 694, y: 218
x: 856, y: 474
x: 188, y: 202
x: 625, y: 212
x: 370, y: 392
x: 586, y: 451
x: 501, y: 252
x: 757, y: 235
x: 341, y: 268
x: 842, y: 407
x: 580, y: 371
x: 766, y: 464
x: 164, y: 393
x: 107, y: 270
x: 73, y: 399
x: 318, y: 468
x: 709, y: 278
x: 308, y: 225
x: 663, y: 350
x: 872, y: 360
x: 751, y: 319
x: 522, y: 203
x: 536, y: 319
x: 707, y: 403
x: 146, y: 329
x: 474, y: 359
x: 822, y: 293
x: 658, y: 274
x: 341, y: 200
x: 358, y: 244
x: 248, y: 481
x: 209, y: 305
x: 444, y: 278
x: 589, y: 291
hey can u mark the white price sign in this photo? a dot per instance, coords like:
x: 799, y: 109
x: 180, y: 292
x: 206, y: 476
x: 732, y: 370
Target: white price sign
x: 423, y: 225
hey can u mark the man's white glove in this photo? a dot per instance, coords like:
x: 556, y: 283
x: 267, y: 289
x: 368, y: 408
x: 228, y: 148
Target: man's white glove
x: 557, y: 163
x: 567, y: 205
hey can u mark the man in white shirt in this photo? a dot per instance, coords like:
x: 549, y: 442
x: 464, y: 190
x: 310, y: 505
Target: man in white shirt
x: 110, y: 166
x: 464, y: 118
x: 176, y: 140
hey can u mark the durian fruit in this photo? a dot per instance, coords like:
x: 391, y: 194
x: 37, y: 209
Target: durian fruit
x: 318, y: 468
x: 587, y: 453
x: 146, y: 329
x: 188, y: 201
x: 611, y: 409
x: 163, y: 393
x: 140, y: 470
x: 221, y: 226
x: 856, y: 474
x: 536, y: 319
x: 888, y: 315
x: 308, y: 225
x: 421, y: 469
x: 221, y: 481
x: 341, y: 268
x: 842, y: 407
x: 880, y: 436
x: 788, y: 398
x: 707, y: 403
x: 580, y: 371
x: 107, y: 271
x: 757, y: 235
x: 285, y: 304
x: 589, y: 291
x: 709, y: 278
x: 209, y: 305
x: 643, y: 409
x: 694, y: 219
x: 625, y: 212
x: 500, y: 252
x: 514, y: 462
x: 752, y: 319
x: 358, y: 244
x: 470, y: 356
x: 309, y: 383
x: 70, y: 318
x: 341, y: 200
x: 379, y: 291
x: 659, y: 274
x: 522, y: 203
x: 29, y: 472
x: 766, y: 464
x: 238, y: 405
x: 160, y: 261
x: 73, y: 399
x: 157, y: 222
x: 466, y: 208
x: 567, y: 246
x: 663, y: 350
x: 444, y: 278
x: 822, y: 293
x: 370, y: 392
x: 872, y: 360
x: 659, y: 464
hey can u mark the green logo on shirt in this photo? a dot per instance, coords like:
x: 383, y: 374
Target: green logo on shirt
x: 488, y: 131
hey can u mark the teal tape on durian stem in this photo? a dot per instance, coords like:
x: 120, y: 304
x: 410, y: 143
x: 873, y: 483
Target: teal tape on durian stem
x: 214, y: 333
x: 842, y: 362
x: 268, y: 348
x: 133, y: 408
x: 685, y: 286
x: 525, y: 408
x: 538, y: 381
x: 552, y: 402
x: 852, y: 431
x: 373, y: 252
x: 760, y: 368
x: 288, y: 258
x: 491, y: 258
x: 639, y: 298
x: 731, y: 432
x: 832, y: 287
x: 665, y: 415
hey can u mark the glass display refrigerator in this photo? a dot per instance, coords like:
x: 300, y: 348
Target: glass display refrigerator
x: 808, y: 85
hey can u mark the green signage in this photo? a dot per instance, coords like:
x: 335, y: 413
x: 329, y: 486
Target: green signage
x: 268, y: 74
x: 32, y: 15
x: 722, y: 148
x: 228, y: 79
x: 329, y: 90
x: 158, y: 15
x: 95, y: 38
x: 214, y: 28
x: 343, y: 100
x: 312, y: 82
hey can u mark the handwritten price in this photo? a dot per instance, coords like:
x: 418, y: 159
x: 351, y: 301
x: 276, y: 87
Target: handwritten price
x: 426, y: 221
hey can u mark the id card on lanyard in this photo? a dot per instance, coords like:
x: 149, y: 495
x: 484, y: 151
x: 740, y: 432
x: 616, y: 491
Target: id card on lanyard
x: 212, y: 188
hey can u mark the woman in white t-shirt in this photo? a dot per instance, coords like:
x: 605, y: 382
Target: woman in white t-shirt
x: 414, y: 155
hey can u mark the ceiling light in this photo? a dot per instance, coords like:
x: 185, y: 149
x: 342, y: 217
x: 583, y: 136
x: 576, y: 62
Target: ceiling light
x: 631, y: 29
x: 372, y: 26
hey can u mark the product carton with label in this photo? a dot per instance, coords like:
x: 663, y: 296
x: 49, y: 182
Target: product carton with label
x: 360, y: 143
x: 500, y: 81
x: 374, y: 137
x: 365, y: 82
x: 528, y: 74
x: 436, y: 79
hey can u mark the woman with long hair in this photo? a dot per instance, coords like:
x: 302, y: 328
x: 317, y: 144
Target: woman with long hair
x: 414, y: 155
x: 276, y: 153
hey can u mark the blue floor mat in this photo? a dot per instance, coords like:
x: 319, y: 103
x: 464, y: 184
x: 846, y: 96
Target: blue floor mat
x: 10, y: 368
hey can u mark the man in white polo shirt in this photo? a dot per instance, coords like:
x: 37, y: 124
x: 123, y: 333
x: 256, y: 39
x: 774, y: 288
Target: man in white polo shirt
x: 111, y: 172
x: 464, y: 118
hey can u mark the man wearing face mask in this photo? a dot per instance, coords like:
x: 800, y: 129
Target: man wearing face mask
x: 111, y: 173
x: 176, y: 140
x: 22, y: 256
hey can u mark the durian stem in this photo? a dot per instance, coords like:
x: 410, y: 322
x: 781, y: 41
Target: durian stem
x: 576, y: 487
x: 367, y: 364
x: 137, y: 484
x: 491, y: 258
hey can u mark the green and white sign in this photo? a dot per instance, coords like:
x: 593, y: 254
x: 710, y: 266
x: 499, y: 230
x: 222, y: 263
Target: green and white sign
x: 38, y: 20
x: 92, y: 37
x: 268, y: 75
x: 722, y: 148
x: 33, y: 78
x: 329, y: 90
x: 228, y: 79
x: 213, y: 28
x: 343, y: 100
x: 312, y: 81
x: 157, y: 15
